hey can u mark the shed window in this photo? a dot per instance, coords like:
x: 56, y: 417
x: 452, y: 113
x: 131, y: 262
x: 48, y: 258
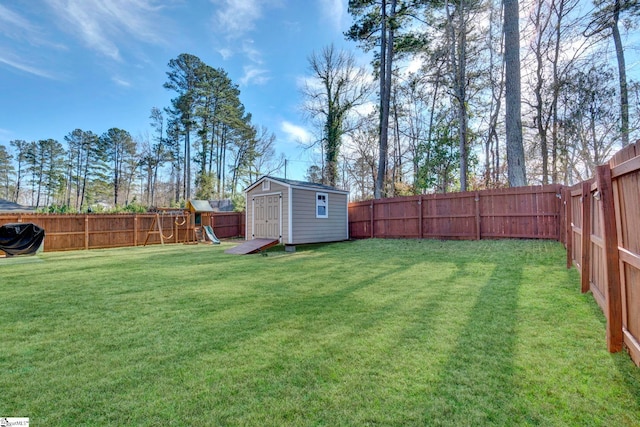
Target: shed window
x: 266, y: 185
x: 322, y: 205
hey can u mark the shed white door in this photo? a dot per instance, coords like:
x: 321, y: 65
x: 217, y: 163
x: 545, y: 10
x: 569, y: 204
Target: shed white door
x: 266, y: 214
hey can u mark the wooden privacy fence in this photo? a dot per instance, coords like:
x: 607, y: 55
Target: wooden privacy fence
x: 603, y: 242
x: 522, y: 212
x: 67, y: 232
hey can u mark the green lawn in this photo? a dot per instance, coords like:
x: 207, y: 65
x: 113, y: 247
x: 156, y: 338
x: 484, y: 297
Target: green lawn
x: 375, y: 332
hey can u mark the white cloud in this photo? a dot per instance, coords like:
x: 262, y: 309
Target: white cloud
x: 233, y: 20
x: 365, y: 109
x: 248, y: 48
x: 308, y: 82
x: 414, y: 65
x: 13, y: 23
x: 236, y: 18
x: 334, y: 12
x: 104, y: 25
x: 120, y: 82
x: 254, y: 75
x: 226, y: 53
x: 20, y: 35
x: 20, y: 65
x: 296, y: 133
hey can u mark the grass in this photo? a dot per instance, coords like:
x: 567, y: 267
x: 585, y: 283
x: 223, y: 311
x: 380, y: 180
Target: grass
x: 376, y: 332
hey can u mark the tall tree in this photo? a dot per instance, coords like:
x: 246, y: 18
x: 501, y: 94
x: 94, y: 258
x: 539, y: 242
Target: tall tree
x: 121, y: 151
x: 176, y: 157
x: 591, y: 123
x: 183, y: 76
x: 253, y: 155
x: 551, y: 30
x: 417, y: 106
x: 363, y: 153
x: 606, y: 18
x: 209, y: 106
x: 542, y: 21
x: 6, y: 173
x: 156, y: 156
x: 45, y: 163
x: 495, y: 76
x: 515, y: 148
x: 337, y: 87
x: 87, y: 157
x: 458, y: 14
x: 21, y: 148
x: 376, y: 25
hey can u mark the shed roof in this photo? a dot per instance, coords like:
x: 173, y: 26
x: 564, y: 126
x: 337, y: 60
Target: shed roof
x: 199, y: 206
x: 7, y: 206
x: 296, y: 184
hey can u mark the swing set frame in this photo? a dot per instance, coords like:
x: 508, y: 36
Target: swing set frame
x: 156, y: 224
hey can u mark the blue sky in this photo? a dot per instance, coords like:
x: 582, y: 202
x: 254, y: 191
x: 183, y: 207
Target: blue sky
x: 97, y: 64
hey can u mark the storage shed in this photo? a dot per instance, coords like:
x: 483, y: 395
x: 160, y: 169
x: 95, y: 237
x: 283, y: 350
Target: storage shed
x: 296, y: 212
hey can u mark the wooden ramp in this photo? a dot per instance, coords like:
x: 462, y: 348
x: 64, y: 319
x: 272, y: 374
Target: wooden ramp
x: 252, y: 246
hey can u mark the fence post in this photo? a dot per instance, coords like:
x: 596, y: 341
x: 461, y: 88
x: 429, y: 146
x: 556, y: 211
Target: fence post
x: 477, y: 200
x: 86, y: 231
x: 420, y: 215
x: 585, y: 262
x: 568, y: 230
x: 561, y: 212
x: 135, y: 229
x: 613, y: 291
x: 371, y: 210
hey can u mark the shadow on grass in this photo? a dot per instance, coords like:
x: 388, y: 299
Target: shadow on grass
x: 628, y: 372
x: 477, y: 382
x: 307, y: 307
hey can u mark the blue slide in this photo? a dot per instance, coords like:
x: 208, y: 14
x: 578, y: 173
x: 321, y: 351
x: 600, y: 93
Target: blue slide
x: 211, y: 235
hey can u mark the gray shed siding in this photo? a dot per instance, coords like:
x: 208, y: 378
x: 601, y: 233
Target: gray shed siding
x: 298, y: 222
x: 257, y: 191
x: 309, y: 229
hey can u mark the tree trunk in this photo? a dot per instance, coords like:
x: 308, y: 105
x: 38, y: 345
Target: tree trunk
x: 457, y: 57
x: 622, y: 76
x: 556, y: 94
x: 187, y: 161
x: 386, y: 60
x: 515, y: 148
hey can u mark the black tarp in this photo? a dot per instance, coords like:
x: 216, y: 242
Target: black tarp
x: 21, y: 238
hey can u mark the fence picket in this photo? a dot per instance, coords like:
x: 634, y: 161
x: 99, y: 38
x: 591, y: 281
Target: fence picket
x: 525, y: 212
x: 66, y: 232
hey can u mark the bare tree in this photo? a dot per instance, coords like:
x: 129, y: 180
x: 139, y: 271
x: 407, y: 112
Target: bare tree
x: 337, y: 87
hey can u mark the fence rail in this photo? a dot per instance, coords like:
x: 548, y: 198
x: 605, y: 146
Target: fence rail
x: 66, y: 232
x: 603, y: 242
x: 523, y: 212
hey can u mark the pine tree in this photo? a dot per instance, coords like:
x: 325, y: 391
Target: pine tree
x: 6, y: 173
x: 183, y: 79
x: 121, y: 152
x: 376, y: 25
